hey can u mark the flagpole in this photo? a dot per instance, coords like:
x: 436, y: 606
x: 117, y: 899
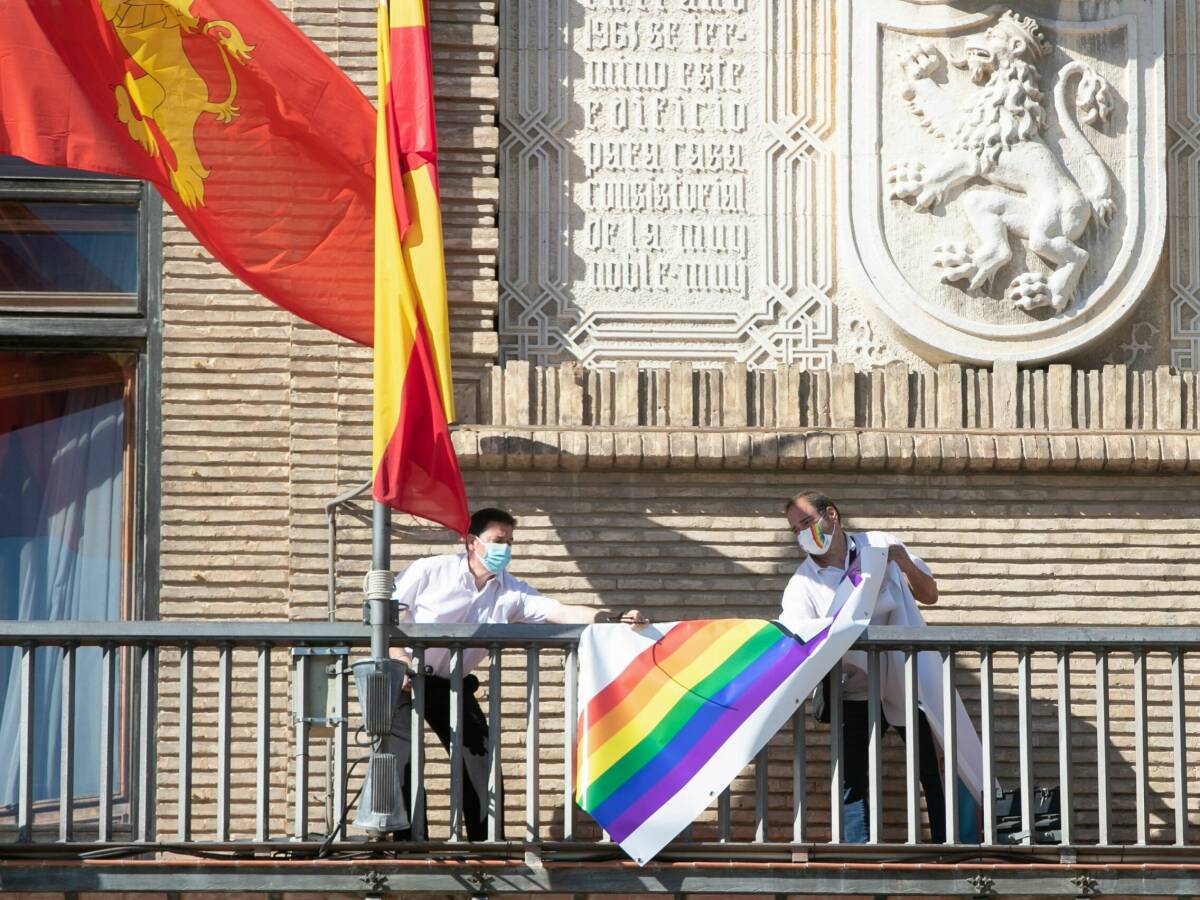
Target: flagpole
x: 381, y: 613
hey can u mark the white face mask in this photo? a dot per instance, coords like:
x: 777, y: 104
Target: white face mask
x: 815, y: 540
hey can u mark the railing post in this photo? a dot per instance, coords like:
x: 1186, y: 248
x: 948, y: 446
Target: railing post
x: 262, y: 796
x: 183, y: 830
x: 300, y: 824
x: 25, y: 747
x: 874, y: 748
x: 532, y: 758
x: 108, y: 705
x: 1141, y: 754
x: 987, y: 714
x: 950, y: 776
x: 417, y: 761
x: 147, y: 796
x: 1025, y: 741
x: 799, y: 775
x: 1103, y: 795
x: 495, y: 802
x: 912, y: 752
x: 836, y: 779
x: 1179, y: 733
x: 570, y: 717
x: 456, y: 743
x: 66, y: 762
x: 1066, y: 795
x: 341, y: 731
x: 224, y: 737
x: 761, y: 805
x: 724, y: 823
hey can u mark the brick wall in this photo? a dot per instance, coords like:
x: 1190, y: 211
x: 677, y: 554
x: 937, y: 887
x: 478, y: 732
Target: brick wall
x: 1052, y: 496
x: 1036, y: 548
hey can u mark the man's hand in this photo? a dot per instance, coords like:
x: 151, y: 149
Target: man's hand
x: 398, y: 654
x: 632, y: 617
x: 923, y: 586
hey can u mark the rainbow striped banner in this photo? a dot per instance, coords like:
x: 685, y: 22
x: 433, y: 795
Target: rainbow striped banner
x: 672, y: 713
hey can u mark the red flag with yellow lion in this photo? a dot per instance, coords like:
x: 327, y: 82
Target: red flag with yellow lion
x: 259, y: 142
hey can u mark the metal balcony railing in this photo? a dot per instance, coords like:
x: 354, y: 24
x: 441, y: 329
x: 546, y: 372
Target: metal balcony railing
x: 1101, y: 712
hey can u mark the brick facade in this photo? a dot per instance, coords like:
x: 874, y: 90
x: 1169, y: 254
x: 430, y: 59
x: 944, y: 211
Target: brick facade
x: 1046, y: 497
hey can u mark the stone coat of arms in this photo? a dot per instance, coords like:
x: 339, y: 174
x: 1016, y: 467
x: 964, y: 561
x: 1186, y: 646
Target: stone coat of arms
x: 1003, y: 186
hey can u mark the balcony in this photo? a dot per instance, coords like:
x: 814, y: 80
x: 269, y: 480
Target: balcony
x: 217, y: 772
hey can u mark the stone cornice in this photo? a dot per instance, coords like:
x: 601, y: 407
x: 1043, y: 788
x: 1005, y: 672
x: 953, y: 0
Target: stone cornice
x: 565, y: 448
x: 947, y: 399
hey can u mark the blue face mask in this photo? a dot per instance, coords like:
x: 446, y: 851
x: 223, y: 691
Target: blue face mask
x: 496, y: 557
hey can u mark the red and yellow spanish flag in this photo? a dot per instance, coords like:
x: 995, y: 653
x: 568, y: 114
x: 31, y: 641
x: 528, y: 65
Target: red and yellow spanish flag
x: 414, y: 463
x: 257, y: 140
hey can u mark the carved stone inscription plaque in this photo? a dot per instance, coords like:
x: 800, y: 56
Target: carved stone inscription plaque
x: 651, y: 158
x: 662, y: 184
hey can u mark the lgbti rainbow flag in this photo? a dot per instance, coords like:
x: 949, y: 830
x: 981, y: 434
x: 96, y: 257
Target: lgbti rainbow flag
x: 413, y: 459
x: 672, y: 713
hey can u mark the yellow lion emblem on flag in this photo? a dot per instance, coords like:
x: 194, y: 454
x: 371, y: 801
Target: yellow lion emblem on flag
x: 171, y: 93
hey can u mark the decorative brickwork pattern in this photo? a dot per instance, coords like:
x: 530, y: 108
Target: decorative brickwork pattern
x: 891, y: 398
x: 1183, y: 172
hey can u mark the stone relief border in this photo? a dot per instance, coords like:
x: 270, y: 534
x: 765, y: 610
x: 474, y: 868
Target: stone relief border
x: 536, y: 320
x: 534, y: 312
x: 799, y: 186
x: 1183, y: 177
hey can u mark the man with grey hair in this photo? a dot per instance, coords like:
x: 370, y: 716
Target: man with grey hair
x: 831, y: 555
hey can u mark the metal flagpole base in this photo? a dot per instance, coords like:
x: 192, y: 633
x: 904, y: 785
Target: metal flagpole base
x: 379, y: 681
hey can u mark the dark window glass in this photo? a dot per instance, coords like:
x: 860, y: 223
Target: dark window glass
x: 16, y: 167
x: 64, y: 547
x: 68, y: 248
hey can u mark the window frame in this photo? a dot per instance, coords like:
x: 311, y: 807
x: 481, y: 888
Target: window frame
x: 137, y: 332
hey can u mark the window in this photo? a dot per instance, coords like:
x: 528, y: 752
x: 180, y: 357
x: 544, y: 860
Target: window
x: 68, y: 257
x: 79, y: 361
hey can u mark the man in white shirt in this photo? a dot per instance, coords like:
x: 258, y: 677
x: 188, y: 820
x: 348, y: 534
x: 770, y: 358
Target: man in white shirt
x: 473, y: 588
x: 832, y: 557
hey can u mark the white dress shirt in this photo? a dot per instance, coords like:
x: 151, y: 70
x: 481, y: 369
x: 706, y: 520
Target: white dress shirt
x: 441, y: 590
x: 809, y: 595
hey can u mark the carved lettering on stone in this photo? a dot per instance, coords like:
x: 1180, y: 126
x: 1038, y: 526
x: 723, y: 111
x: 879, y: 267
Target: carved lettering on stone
x: 653, y: 154
x: 1003, y: 183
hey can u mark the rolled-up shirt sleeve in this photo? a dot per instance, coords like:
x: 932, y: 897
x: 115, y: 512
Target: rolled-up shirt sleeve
x: 532, y: 606
x: 917, y: 561
x: 408, y: 588
x: 797, y: 611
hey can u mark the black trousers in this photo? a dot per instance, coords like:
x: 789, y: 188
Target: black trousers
x: 856, y: 781
x: 475, y: 744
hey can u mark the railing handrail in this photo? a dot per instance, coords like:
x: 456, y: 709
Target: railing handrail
x: 353, y: 634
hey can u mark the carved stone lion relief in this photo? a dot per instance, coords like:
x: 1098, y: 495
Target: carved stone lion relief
x: 1003, y: 190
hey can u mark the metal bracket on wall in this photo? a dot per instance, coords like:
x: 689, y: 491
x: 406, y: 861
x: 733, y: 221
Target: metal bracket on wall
x: 319, y: 706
